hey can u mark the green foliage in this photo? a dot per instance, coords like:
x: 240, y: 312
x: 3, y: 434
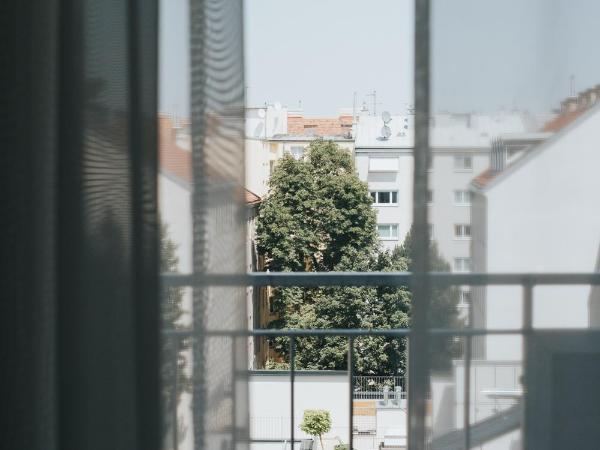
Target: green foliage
x: 173, y: 378
x: 443, y: 311
x: 318, y: 218
x: 316, y: 422
x: 271, y: 364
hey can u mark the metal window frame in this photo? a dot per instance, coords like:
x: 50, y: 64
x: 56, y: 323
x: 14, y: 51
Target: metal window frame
x: 417, y: 426
x: 420, y: 281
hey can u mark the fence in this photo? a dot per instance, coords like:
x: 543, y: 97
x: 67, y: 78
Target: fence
x: 373, y: 387
x: 527, y: 281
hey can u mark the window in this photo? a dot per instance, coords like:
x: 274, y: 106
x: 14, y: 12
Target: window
x: 388, y: 232
x: 464, y: 301
x: 463, y: 163
x: 462, y: 198
x: 429, y: 196
x: 384, y: 197
x: 297, y: 151
x: 383, y: 165
x: 430, y: 231
x: 462, y: 231
x: 462, y: 264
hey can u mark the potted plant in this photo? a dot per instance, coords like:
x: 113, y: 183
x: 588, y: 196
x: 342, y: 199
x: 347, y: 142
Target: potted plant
x: 316, y: 422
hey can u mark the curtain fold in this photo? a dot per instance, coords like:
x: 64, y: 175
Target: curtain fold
x: 79, y: 314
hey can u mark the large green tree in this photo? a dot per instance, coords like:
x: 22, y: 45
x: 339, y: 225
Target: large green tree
x: 318, y: 217
x: 443, y: 311
x: 174, y: 380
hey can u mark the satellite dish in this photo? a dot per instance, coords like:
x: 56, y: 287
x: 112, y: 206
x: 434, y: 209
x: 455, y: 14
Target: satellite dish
x: 262, y: 113
x: 386, y: 116
x: 277, y: 105
x: 386, y: 132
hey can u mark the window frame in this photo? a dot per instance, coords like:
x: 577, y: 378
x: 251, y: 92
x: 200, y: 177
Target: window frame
x: 462, y: 202
x: 392, y: 227
x: 462, y: 235
x: 376, y: 201
x: 463, y: 157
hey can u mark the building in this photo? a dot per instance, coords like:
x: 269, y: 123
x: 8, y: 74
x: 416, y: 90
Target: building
x: 273, y: 130
x: 386, y: 164
x: 261, y: 123
x: 461, y: 146
x: 541, y: 205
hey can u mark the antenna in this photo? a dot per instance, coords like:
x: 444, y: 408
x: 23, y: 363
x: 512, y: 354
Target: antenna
x: 386, y: 116
x: 572, y: 86
x: 374, y: 95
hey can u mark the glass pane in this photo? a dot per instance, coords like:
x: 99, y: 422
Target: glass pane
x: 204, y: 210
x: 514, y: 106
x: 384, y: 197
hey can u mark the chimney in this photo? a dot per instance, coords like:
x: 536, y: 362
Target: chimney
x: 498, y: 156
x: 568, y: 105
x: 596, y: 94
x: 583, y: 100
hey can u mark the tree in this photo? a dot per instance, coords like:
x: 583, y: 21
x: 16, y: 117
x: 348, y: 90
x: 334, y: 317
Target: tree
x: 318, y: 218
x: 443, y: 310
x: 174, y: 380
x: 316, y: 422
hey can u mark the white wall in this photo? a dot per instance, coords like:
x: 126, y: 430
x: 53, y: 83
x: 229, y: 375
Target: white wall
x: 400, y: 181
x: 174, y: 199
x: 257, y: 165
x: 544, y: 216
x: 444, y: 179
x: 270, y: 405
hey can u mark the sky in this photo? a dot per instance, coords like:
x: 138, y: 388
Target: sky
x: 486, y: 54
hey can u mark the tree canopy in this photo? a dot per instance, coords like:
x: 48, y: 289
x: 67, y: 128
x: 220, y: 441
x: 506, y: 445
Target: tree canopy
x: 318, y: 217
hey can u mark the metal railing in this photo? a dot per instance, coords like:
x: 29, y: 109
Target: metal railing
x: 526, y: 281
x: 367, y: 387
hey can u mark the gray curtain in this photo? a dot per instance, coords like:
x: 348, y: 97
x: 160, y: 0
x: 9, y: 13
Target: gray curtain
x: 217, y: 113
x: 79, y: 315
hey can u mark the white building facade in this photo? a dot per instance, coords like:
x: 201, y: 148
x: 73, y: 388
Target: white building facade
x: 543, y: 208
x: 461, y: 146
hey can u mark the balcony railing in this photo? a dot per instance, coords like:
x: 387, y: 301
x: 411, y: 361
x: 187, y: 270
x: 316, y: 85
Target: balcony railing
x: 471, y: 434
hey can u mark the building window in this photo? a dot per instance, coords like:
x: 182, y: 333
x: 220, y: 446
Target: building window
x: 297, y: 151
x: 464, y: 301
x: 462, y: 198
x: 462, y: 231
x: 430, y: 196
x: 271, y: 167
x: 388, y: 231
x: 430, y: 231
x: 384, y: 197
x: 462, y: 264
x: 463, y: 163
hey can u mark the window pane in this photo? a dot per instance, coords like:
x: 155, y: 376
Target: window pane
x: 384, y: 197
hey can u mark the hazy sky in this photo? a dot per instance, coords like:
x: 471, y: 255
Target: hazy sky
x: 486, y: 54
x: 319, y: 52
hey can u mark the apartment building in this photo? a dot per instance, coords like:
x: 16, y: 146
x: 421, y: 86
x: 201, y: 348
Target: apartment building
x: 542, y: 204
x: 461, y: 146
x: 273, y: 130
